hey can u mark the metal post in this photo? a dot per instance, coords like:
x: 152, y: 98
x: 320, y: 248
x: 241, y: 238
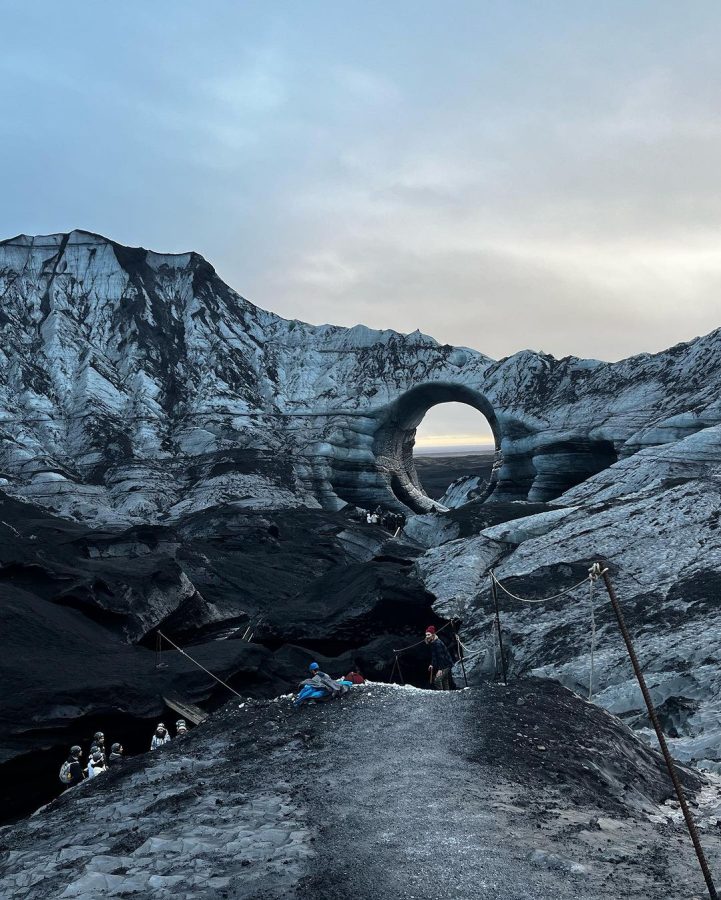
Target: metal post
x: 498, y: 625
x: 159, y: 664
x: 690, y: 824
x: 460, y: 652
x: 400, y: 673
x: 396, y: 665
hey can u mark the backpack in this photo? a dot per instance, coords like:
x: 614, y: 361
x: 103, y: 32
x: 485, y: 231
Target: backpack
x: 66, y: 776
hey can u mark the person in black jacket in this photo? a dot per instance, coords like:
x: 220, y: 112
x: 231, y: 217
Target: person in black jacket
x: 71, y: 771
x: 441, y: 661
x: 116, y: 755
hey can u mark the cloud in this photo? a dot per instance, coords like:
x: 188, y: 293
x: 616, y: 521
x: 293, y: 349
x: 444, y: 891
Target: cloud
x: 501, y: 178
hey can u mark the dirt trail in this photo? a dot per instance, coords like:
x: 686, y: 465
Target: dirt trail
x: 399, y: 817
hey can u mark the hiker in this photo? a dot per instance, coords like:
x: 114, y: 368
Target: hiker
x: 71, y: 771
x: 93, y: 750
x: 441, y: 661
x: 116, y: 756
x: 160, y: 737
x: 325, y: 680
x: 180, y: 728
x: 99, y: 740
x: 96, y: 764
x: 388, y: 521
x: 319, y: 687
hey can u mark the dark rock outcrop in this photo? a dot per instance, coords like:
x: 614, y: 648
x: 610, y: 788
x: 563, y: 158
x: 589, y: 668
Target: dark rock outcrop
x: 81, y: 610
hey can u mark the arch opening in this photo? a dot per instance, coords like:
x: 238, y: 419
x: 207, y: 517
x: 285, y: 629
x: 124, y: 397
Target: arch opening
x: 454, y: 453
x: 395, y: 441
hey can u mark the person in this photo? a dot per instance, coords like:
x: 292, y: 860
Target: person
x: 441, y: 661
x: 180, y: 728
x: 160, y: 737
x: 96, y: 748
x: 99, y: 740
x: 319, y: 687
x: 96, y: 764
x: 116, y: 755
x: 71, y: 771
x: 325, y: 680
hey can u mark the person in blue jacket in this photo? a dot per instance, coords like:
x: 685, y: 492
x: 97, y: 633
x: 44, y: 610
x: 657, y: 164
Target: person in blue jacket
x: 320, y: 686
x: 441, y: 661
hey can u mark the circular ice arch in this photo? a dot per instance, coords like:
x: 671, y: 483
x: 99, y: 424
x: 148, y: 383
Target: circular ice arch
x: 395, y: 439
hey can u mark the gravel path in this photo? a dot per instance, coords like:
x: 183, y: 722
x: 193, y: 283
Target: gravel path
x: 400, y: 818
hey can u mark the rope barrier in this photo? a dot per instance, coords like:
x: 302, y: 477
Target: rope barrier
x: 543, y: 599
x: 418, y: 643
x: 468, y: 653
x: 195, y: 662
x: 594, y: 573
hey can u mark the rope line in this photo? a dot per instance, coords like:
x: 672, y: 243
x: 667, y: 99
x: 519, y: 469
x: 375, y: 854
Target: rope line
x: 543, y: 599
x: 195, y: 661
x: 594, y: 573
x: 468, y: 653
x: 418, y: 643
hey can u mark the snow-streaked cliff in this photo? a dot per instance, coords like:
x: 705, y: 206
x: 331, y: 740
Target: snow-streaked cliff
x: 136, y: 385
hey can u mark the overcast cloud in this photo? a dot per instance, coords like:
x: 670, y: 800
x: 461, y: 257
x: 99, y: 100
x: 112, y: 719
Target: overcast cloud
x: 501, y: 175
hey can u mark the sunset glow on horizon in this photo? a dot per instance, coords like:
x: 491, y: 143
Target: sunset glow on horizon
x: 440, y: 429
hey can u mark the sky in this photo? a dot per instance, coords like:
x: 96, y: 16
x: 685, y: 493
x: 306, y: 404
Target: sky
x: 453, y: 427
x: 500, y: 175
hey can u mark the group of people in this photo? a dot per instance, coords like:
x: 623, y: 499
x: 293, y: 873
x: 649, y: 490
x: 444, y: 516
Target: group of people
x: 319, y: 687
x: 389, y: 520
x: 162, y: 735
x: 72, y: 771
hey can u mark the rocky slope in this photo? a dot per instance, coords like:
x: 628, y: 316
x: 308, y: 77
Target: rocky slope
x: 137, y: 385
x: 531, y: 793
x: 653, y: 519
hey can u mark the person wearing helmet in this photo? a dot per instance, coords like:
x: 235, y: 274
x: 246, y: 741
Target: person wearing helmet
x: 99, y: 740
x: 323, y: 680
x: 71, y: 771
x: 180, y: 728
x: 441, y: 661
x: 96, y: 748
x: 96, y: 764
x: 116, y: 755
x: 160, y: 737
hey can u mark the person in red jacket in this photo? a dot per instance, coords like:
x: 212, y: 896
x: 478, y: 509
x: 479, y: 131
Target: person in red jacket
x: 441, y: 661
